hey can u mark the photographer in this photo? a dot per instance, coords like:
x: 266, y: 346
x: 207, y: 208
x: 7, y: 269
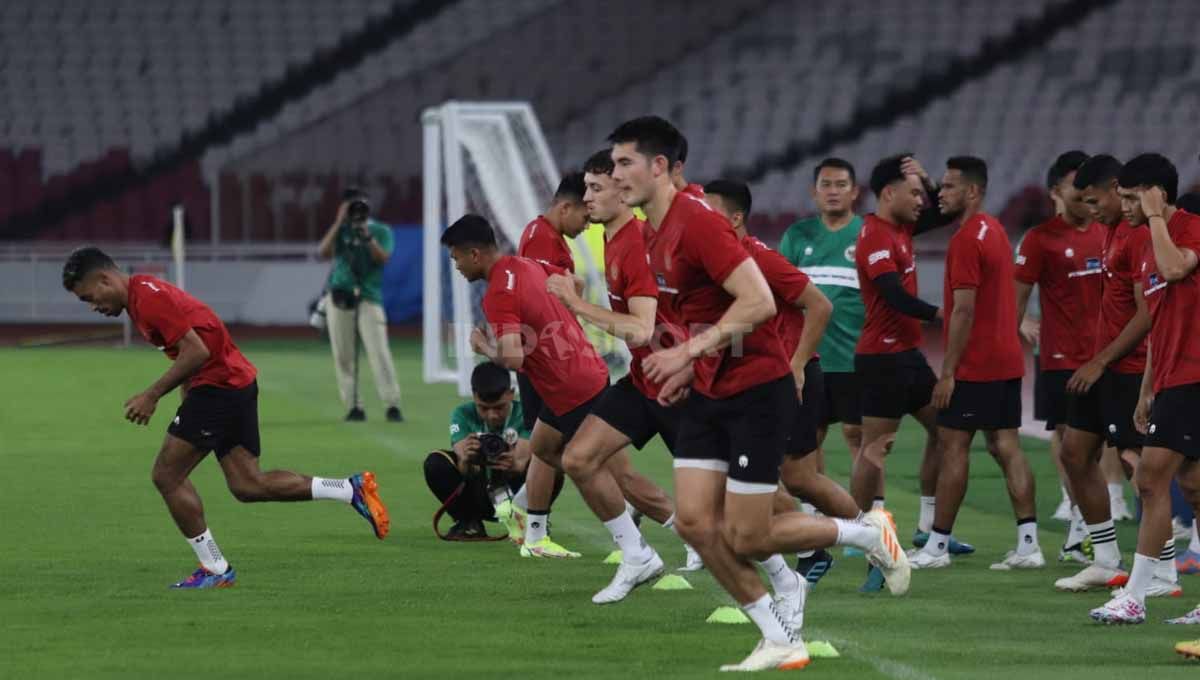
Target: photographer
x: 488, y: 457
x: 360, y: 247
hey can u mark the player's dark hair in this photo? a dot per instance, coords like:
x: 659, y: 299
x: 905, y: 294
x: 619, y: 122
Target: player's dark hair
x: 886, y: 172
x: 973, y: 169
x: 599, y: 163
x: 1097, y: 170
x: 681, y: 156
x: 571, y: 188
x: 469, y: 231
x: 837, y: 163
x: 733, y: 192
x: 1151, y: 170
x: 1189, y: 202
x: 653, y: 136
x: 84, y: 261
x: 490, y: 381
x: 1065, y: 164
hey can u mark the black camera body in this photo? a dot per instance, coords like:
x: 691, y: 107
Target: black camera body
x: 491, y: 447
x: 358, y: 208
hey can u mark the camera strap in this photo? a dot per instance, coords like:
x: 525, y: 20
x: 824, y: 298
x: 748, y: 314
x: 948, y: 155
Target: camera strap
x: 437, y: 518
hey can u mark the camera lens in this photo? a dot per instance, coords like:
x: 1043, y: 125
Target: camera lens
x: 358, y: 210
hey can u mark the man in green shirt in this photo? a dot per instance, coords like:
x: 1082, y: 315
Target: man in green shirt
x: 822, y: 246
x: 360, y: 247
x: 488, y: 477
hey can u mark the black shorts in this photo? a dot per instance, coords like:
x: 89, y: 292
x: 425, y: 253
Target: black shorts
x: 743, y: 436
x: 993, y: 405
x: 894, y: 384
x: 843, y: 400
x: 568, y: 423
x: 636, y: 416
x: 1107, y: 409
x: 802, y: 430
x: 531, y: 402
x: 217, y: 419
x: 1050, y: 397
x: 1173, y: 421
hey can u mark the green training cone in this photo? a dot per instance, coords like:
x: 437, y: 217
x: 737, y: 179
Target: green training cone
x: 819, y: 649
x: 727, y: 615
x: 672, y: 582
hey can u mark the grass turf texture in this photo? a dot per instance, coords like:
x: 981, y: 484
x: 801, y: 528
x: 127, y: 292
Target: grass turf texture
x: 89, y: 551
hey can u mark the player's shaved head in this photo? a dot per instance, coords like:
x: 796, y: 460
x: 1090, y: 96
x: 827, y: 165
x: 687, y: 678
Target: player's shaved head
x: 82, y: 262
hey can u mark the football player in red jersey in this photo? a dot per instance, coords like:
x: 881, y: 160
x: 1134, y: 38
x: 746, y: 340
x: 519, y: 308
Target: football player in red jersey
x: 980, y: 384
x: 219, y: 410
x: 1102, y: 393
x: 1062, y: 258
x: 733, y: 435
x: 1170, y: 389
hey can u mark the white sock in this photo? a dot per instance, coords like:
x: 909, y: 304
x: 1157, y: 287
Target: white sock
x: 1065, y: 496
x: 670, y: 523
x: 1194, y: 545
x: 521, y: 499
x: 938, y: 543
x: 1078, y: 528
x: 783, y: 579
x: 1116, y: 492
x: 1139, y: 578
x: 209, y: 554
x: 855, y: 534
x: 877, y: 504
x: 324, y: 488
x: 1104, y: 543
x: 808, y: 508
x: 535, y: 526
x: 1027, y: 538
x: 629, y: 539
x: 925, y: 518
x: 762, y: 613
x: 1166, y: 563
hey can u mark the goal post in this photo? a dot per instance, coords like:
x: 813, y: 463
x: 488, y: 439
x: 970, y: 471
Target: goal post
x: 492, y: 159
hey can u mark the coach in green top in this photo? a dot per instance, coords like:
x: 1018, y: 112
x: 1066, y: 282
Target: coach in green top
x: 360, y: 247
x: 823, y: 247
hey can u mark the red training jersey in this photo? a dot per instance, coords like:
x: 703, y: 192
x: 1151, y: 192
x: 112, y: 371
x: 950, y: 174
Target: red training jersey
x: 1174, y: 343
x: 627, y: 272
x: 561, y: 363
x: 787, y: 283
x: 691, y: 254
x: 542, y: 242
x: 1065, y: 264
x: 885, y: 247
x: 1122, y: 263
x: 163, y: 314
x: 980, y: 258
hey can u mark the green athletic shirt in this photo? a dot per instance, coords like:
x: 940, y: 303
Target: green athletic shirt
x: 828, y: 259
x: 465, y: 421
x: 342, y: 277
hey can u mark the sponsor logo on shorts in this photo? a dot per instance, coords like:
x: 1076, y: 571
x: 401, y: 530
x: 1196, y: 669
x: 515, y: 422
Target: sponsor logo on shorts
x: 1153, y: 427
x: 1112, y: 428
x: 176, y: 421
x: 743, y: 461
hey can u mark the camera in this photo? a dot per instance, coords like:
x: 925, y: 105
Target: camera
x: 491, y: 447
x: 358, y: 209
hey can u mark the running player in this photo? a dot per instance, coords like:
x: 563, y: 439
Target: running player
x: 893, y: 375
x: 1062, y: 257
x: 732, y: 436
x: 219, y: 410
x: 1170, y: 389
x: 980, y: 384
x: 1102, y: 393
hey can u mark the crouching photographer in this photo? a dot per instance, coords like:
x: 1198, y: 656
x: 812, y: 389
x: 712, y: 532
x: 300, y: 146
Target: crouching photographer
x: 482, y: 476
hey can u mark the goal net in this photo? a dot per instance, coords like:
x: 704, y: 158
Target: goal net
x: 488, y: 158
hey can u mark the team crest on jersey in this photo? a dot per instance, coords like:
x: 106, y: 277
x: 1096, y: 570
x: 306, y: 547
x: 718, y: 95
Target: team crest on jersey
x: 808, y: 250
x: 1092, y: 263
x: 1154, y: 280
x: 848, y: 253
x: 1070, y: 252
x: 615, y: 272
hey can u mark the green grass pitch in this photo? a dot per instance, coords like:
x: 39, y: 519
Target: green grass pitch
x: 88, y: 550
